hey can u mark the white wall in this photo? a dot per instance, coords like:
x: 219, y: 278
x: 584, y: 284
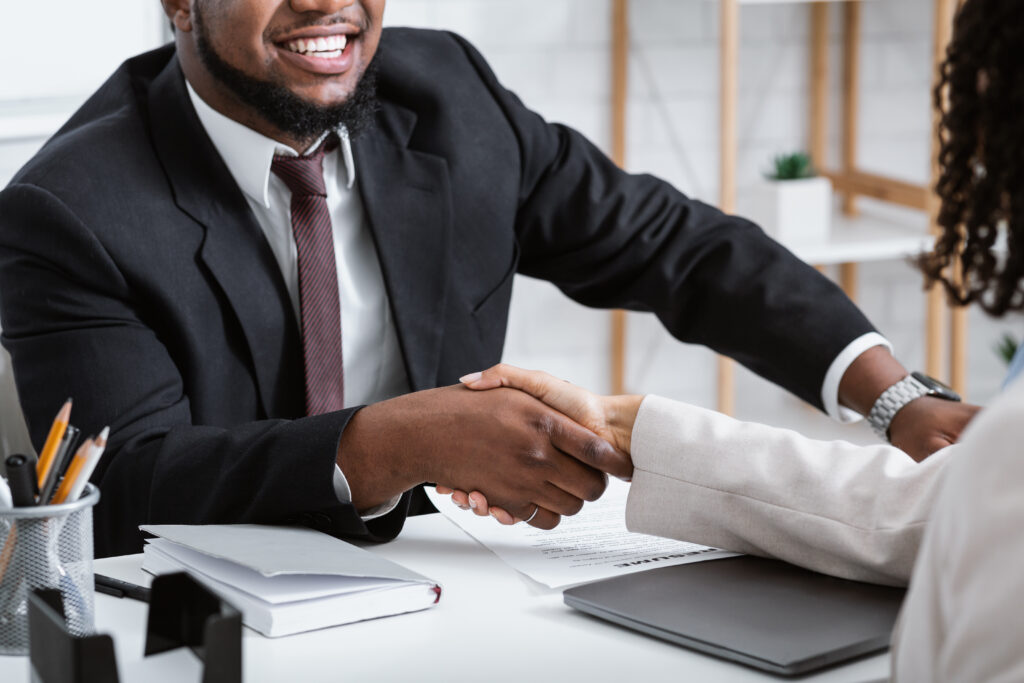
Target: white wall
x: 66, y: 48
x: 556, y: 55
x: 54, y: 54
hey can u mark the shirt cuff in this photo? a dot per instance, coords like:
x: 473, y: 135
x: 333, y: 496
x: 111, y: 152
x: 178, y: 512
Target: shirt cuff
x: 830, y: 387
x: 344, y: 494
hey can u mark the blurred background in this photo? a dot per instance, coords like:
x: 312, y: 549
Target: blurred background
x: 556, y: 55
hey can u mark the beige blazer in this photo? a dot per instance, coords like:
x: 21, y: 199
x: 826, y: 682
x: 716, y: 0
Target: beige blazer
x: 852, y: 511
x: 963, y: 619
x: 860, y: 513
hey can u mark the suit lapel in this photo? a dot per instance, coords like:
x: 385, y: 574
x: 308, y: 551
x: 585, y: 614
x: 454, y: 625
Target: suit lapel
x: 234, y: 249
x: 407, y: 201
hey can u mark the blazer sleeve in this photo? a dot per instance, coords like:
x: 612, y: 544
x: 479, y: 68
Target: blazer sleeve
x: 67, y: 309
x: 961, y: 619
x: 614, y: 240
x: 857, y: 512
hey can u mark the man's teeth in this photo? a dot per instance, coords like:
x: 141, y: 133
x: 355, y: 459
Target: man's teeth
x: 325, y: 46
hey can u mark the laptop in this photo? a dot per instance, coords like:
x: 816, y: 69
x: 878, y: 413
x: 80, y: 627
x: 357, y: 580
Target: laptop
x: 762, y: 613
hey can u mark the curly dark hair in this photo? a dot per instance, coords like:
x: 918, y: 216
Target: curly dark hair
x: 980, y: 98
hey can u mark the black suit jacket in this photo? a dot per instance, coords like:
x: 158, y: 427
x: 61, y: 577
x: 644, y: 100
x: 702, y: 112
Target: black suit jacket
x: 134, y: 278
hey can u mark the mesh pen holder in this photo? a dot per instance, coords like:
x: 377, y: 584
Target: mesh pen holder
x: 49, y: 546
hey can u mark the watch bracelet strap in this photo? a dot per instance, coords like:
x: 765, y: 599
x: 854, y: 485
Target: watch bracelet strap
x: 891, y: 401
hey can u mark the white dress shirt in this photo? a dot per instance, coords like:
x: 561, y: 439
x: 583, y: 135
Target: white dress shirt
x: 838, y: 368
x: 373, y: 365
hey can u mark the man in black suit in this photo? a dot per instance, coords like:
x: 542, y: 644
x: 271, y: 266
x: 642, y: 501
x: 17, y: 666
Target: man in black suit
x: 148, y: 269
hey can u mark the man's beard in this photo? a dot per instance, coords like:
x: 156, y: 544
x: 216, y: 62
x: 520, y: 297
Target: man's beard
x: 282, y: 108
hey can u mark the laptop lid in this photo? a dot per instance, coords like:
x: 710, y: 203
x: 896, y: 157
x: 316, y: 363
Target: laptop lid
x: 763, y: 613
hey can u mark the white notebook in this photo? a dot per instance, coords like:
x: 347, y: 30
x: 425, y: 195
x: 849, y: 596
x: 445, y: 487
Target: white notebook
x: 288, y: 580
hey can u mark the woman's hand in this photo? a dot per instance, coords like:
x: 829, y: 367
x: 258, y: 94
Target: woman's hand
x: 610, y: 417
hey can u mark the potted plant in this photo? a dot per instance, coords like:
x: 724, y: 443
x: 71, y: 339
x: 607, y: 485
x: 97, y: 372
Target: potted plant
x: 1006, y: 348
x: 794, y: 204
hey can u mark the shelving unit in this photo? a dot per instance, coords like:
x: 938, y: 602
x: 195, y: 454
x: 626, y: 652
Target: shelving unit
x: 854, y: 239
x: 864, y: 238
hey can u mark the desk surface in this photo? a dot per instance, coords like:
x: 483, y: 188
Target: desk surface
x: 490, y: 620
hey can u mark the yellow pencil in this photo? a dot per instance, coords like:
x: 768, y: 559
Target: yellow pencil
x: 60, y: 424
x: 91, y: 458
x: 74, y: 471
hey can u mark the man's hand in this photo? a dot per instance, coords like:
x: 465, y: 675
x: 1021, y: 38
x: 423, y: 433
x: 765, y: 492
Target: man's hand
x: 525, y: 455
x: 928, y: 424
x: 920, y: 428
x: 611, y: 417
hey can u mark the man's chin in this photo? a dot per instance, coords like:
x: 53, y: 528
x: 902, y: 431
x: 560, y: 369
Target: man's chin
x: 328, y: 94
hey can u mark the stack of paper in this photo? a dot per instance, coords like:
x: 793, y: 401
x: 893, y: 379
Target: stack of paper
x: 287, y: 580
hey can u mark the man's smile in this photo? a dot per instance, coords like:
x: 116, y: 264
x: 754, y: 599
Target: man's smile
x: 324, y: 50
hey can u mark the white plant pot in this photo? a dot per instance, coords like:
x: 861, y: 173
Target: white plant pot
x: 793, y: 211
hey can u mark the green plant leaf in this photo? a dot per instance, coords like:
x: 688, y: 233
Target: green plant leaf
x: 795, y: 166
x: 1006, y: 347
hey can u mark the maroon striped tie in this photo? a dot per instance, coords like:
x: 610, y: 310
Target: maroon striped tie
x: 318, y: 278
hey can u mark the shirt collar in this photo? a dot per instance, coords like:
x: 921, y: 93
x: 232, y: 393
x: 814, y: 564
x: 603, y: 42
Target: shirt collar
x: 248, y: 154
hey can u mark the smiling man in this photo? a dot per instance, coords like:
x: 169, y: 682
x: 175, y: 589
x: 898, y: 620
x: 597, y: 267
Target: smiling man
x: 259, y: 252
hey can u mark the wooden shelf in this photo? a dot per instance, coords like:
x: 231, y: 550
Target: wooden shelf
x: 869, y: 237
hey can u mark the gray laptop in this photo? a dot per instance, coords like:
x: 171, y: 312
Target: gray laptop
x: 763, y: 613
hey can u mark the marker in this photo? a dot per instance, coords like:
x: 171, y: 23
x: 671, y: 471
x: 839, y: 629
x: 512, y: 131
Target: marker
x: 22, y: 481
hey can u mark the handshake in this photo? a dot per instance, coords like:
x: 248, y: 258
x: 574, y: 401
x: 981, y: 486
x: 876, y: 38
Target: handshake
x: 566, y: 442
x: 524, y: 446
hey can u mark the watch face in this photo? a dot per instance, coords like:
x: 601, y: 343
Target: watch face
x: 938, y: 389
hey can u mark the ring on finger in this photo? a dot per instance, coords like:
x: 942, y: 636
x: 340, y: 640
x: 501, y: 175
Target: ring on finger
x: 536, y: 509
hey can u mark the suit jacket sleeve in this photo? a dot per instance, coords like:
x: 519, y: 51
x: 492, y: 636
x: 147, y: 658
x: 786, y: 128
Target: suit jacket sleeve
x: 74, y: 327
x: 857, y: 512
x: 610, y: 239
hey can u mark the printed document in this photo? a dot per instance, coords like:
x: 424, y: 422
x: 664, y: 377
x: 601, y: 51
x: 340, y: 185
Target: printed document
x: 589, y: 546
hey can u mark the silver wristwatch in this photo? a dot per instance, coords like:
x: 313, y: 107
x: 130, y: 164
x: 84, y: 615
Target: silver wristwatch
x: 913, y: 386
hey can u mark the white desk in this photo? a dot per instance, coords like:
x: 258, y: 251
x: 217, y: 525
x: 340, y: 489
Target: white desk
x: 492, y: 622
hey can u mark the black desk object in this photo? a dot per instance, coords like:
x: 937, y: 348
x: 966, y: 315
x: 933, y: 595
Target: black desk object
x: 182, y: 613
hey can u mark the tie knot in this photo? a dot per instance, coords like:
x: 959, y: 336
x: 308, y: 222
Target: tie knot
x: 304, y: 175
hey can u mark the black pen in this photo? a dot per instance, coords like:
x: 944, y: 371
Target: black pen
x: 121, y: 589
